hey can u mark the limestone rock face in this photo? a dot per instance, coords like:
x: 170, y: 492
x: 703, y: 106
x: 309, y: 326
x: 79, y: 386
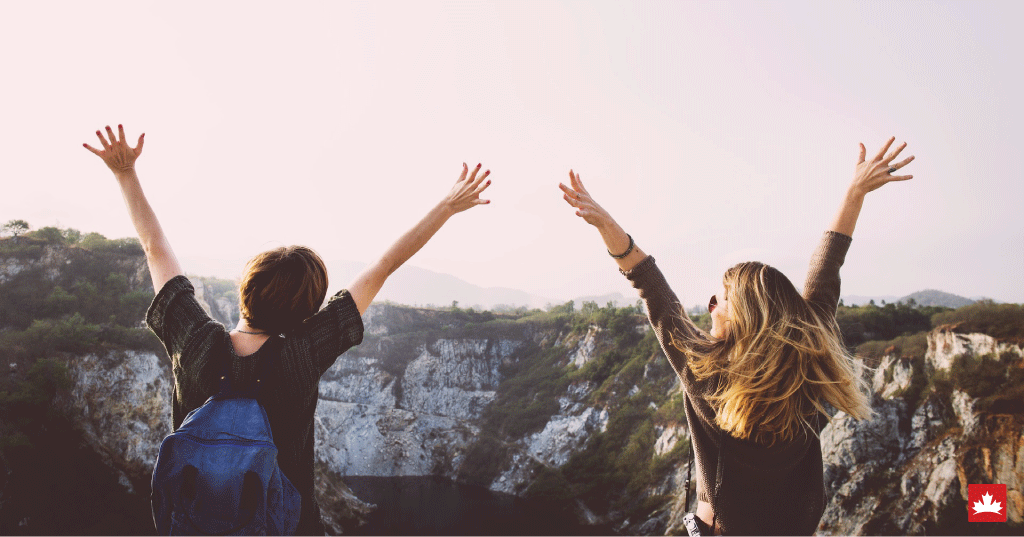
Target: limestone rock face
x: 906, y: 470
x: 124, y: 399
x: 564, y: 434
x: 944, y: 344
x: 402, y: 405
x: 584, y: 350
x: 55, y: 258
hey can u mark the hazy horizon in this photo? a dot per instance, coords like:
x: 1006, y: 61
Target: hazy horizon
x: 713, y: 132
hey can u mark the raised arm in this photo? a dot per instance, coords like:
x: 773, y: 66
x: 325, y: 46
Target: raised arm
x: 822, y: 286
x: 870, y: 175
x: 465, y: 194
x: 120, y: 158
x: 616, y: 241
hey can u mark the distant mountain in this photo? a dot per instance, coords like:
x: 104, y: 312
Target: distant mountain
x: 411, y: 285
x: 602, y: 300
x: 927, y: 297
x: 932, y: 297
x: 861, y: 300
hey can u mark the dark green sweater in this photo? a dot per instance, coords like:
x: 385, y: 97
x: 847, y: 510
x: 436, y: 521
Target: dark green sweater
x: 199, y: 346
x: 764, y: 490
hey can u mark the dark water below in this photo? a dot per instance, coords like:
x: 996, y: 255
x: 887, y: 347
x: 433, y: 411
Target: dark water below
x: 436, y: 506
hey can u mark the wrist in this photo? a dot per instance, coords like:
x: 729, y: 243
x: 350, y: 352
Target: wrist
x: 855, y: 193
x: 609, y: 227
x: 445, y: 209
x: 127, y: 174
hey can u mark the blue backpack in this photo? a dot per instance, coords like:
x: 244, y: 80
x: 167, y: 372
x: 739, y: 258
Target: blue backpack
x: 218, y: 473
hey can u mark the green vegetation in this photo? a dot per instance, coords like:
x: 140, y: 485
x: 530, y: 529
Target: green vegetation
x: 860, y: 324
x: 88, y: 297
x: 628, y: 373
x: 1004, y: 322
x: 15, y: 227
x: 63, y: 294
x: 996, y: 382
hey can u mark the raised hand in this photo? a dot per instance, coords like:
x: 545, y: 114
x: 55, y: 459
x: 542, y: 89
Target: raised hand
x: 465, y: 194
x: 586, y: 208
x: 117, y: 154
x: 870, y: 175
x: 467, y: 190
x: 874, y: 173
x: 619, y: 244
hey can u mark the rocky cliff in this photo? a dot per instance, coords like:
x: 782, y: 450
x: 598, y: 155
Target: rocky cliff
x: 582, y: 412
x: 399, y: 406
x: 906, y: 471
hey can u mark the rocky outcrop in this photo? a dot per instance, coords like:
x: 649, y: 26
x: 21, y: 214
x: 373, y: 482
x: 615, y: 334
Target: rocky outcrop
x: 223, y: 308
x: 54, y: 260
x: 946, y: 343
x: 906, y: 470
x: 124, y: 400
x: 563, y: 435
x: 412, y: 405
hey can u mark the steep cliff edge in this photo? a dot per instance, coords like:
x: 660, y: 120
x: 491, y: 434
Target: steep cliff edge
x: 944, y: 421
x: 577, y: 409
x: 408, y: 403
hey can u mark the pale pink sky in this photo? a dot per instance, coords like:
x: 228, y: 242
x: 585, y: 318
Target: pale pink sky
x: 714, y: 132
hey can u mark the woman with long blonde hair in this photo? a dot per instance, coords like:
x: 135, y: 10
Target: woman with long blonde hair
x: 760, y: 386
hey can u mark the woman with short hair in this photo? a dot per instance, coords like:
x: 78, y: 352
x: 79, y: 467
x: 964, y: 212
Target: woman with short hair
x: 759, y: 386
x: 280, y: 296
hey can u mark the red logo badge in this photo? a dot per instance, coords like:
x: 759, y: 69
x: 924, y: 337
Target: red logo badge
x: 986, y: 503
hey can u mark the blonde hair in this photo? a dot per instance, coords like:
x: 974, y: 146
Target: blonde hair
x: 779, y: 361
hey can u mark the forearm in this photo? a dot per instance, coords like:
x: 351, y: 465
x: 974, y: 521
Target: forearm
x: 413, y: 240
x: 616, y: 241
x: 849, y: 211
x: 368, y: 284
x: 163, y: 265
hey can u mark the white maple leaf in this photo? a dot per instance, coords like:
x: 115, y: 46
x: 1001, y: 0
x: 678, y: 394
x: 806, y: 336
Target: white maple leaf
x: 987, y: 505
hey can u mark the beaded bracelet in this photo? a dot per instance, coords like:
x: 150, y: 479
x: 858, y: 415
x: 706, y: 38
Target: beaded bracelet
x: 628, y: 250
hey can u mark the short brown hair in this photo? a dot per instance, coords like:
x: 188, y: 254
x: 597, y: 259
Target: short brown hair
x: 282, y: 287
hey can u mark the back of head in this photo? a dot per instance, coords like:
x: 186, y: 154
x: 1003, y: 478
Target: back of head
x: 781, y: 359
x: 282, y: 287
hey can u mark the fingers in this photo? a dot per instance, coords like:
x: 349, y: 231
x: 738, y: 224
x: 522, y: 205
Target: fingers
x: 482, y: 185
x: 895, y: 153
x: 465, y: 170
x: 476, y: 183
x: 120, y: 133
x: 574, y: 178
x: 884, y: 149
x: 902, y: 163
x: 571, y: 196
x: 138, y: 148
x: 472, y: 176
x: 863, y: 151
x: 103, y: 140
x: 94, y: 152
x: 110, y: 133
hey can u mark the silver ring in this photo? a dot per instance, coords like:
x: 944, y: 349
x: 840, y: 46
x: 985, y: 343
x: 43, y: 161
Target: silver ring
x: 892, y: 170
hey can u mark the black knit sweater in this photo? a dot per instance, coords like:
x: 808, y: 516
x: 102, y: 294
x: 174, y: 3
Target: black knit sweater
x: 763, y: 490
x: 199, y: 347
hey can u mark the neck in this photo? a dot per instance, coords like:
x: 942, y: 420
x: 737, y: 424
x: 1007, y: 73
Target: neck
x: 244, y: 327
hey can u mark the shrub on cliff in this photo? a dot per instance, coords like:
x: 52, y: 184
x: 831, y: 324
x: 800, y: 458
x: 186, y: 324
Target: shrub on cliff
x: 1004, y: 322
x: 859, y: 324
x: 996, y: 382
